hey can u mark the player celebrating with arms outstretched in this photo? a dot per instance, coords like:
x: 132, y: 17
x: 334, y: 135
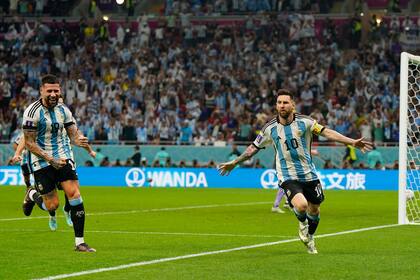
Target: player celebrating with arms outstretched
x: 291, y: 135
x: 49, y: 129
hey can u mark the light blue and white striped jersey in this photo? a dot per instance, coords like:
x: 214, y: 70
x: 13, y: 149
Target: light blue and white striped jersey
x: 50, y: 124
x: 24, y: 160
x: 292, y: 144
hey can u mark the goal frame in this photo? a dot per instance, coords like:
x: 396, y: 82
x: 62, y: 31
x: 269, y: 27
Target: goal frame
x: 403, y: 134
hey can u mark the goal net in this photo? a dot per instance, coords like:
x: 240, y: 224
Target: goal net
x: 409, y: 143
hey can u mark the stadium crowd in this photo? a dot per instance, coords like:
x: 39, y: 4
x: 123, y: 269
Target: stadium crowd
x: 36, y: 7
x: 199, y: 84
x: 209, y: 7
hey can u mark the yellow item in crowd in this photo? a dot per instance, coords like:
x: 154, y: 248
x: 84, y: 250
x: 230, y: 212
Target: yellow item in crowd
x: 358, y: 26
x: 89, y: 31
x: 352, y: 154
x: 108, y: 78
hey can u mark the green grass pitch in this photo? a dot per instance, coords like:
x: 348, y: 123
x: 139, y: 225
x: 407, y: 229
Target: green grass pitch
x: 134, y: 225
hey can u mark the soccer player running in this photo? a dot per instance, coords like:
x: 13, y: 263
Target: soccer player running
x: 21, y: 156
x: 49, y: 129
x: 291, y: 135
x: 280, y: 194
x: 31, y: 195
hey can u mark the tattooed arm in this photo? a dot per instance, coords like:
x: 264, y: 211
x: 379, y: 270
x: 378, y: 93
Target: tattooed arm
x: 360, y: 143
x: 77, y: 138
x: 226, y: 167
x: 32, y: 146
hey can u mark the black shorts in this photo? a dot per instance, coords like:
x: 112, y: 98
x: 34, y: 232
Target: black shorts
x: 25, y: 169
x: 47, y: 178
x: 311, y: 190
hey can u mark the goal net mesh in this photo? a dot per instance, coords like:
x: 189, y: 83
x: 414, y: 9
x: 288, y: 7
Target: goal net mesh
x: 413, y: 141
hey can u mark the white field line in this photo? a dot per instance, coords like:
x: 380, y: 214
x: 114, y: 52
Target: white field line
x: 144, y: 263
x: 154, y: 233
x: 149, y: 210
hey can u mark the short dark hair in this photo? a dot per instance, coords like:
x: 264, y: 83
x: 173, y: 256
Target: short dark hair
x: 284, y: 92
x: 49, y: 79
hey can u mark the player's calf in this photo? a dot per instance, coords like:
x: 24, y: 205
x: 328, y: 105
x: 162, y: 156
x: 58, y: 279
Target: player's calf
x: 27, y: 179
x: 66, y: 211
x: 33, y: 197
x: 303, y: 225
x: 313, y: 221
x: 28, y: 202
x: 77, y: 213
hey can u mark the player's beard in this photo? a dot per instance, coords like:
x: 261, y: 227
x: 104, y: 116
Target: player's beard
x: 285, y: 114
x: 51, y: 101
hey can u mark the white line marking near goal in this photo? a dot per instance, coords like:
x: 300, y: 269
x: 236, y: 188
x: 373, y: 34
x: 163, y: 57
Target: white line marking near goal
x: 149, y: 210
x: 124, y: 266
x: 154, y: 233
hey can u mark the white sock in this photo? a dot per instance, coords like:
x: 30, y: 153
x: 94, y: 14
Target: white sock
x: 79, y: 240
x: 31, y: 194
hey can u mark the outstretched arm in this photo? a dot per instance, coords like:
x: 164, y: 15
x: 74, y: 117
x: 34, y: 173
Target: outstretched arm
x: 226, y: 167
x: 88, y: 148
x: 77, y: 138
x: 360, y: 143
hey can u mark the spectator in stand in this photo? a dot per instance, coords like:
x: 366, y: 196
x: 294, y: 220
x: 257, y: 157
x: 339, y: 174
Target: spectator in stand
x: 374, y: 158
x: 394, y: 165
x: 169, y: 163
x: 258, y: 164
x: 185, y: 137
x: 136, y: 157
x: 162, y: 156
x: 220, y: 141
x: 229, y: 69
x: 129, y: 131
x: 350, y: 155
x: 144, y: 162
x: 378, y: 128
x: 141, y: 132
x: 307, y: 98
x: 234, y: 153
x: 195, y: 164
x: 328, y: 164
x: 105, y: 162
x: 211, y: 164
x: 366, y: 130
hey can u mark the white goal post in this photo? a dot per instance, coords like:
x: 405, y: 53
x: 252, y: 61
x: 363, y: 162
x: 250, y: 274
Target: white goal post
x: 409, y: 140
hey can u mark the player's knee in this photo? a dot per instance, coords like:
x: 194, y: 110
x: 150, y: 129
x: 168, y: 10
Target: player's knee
x: 71, y: 189
x: 301, y: 206
x: 314, y: 211
x: 75, y: 194
x: 52, y: 205
x: 299, y: 203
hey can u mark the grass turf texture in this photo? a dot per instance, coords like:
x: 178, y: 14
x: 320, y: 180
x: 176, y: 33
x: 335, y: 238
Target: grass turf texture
x: 29, y: 250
